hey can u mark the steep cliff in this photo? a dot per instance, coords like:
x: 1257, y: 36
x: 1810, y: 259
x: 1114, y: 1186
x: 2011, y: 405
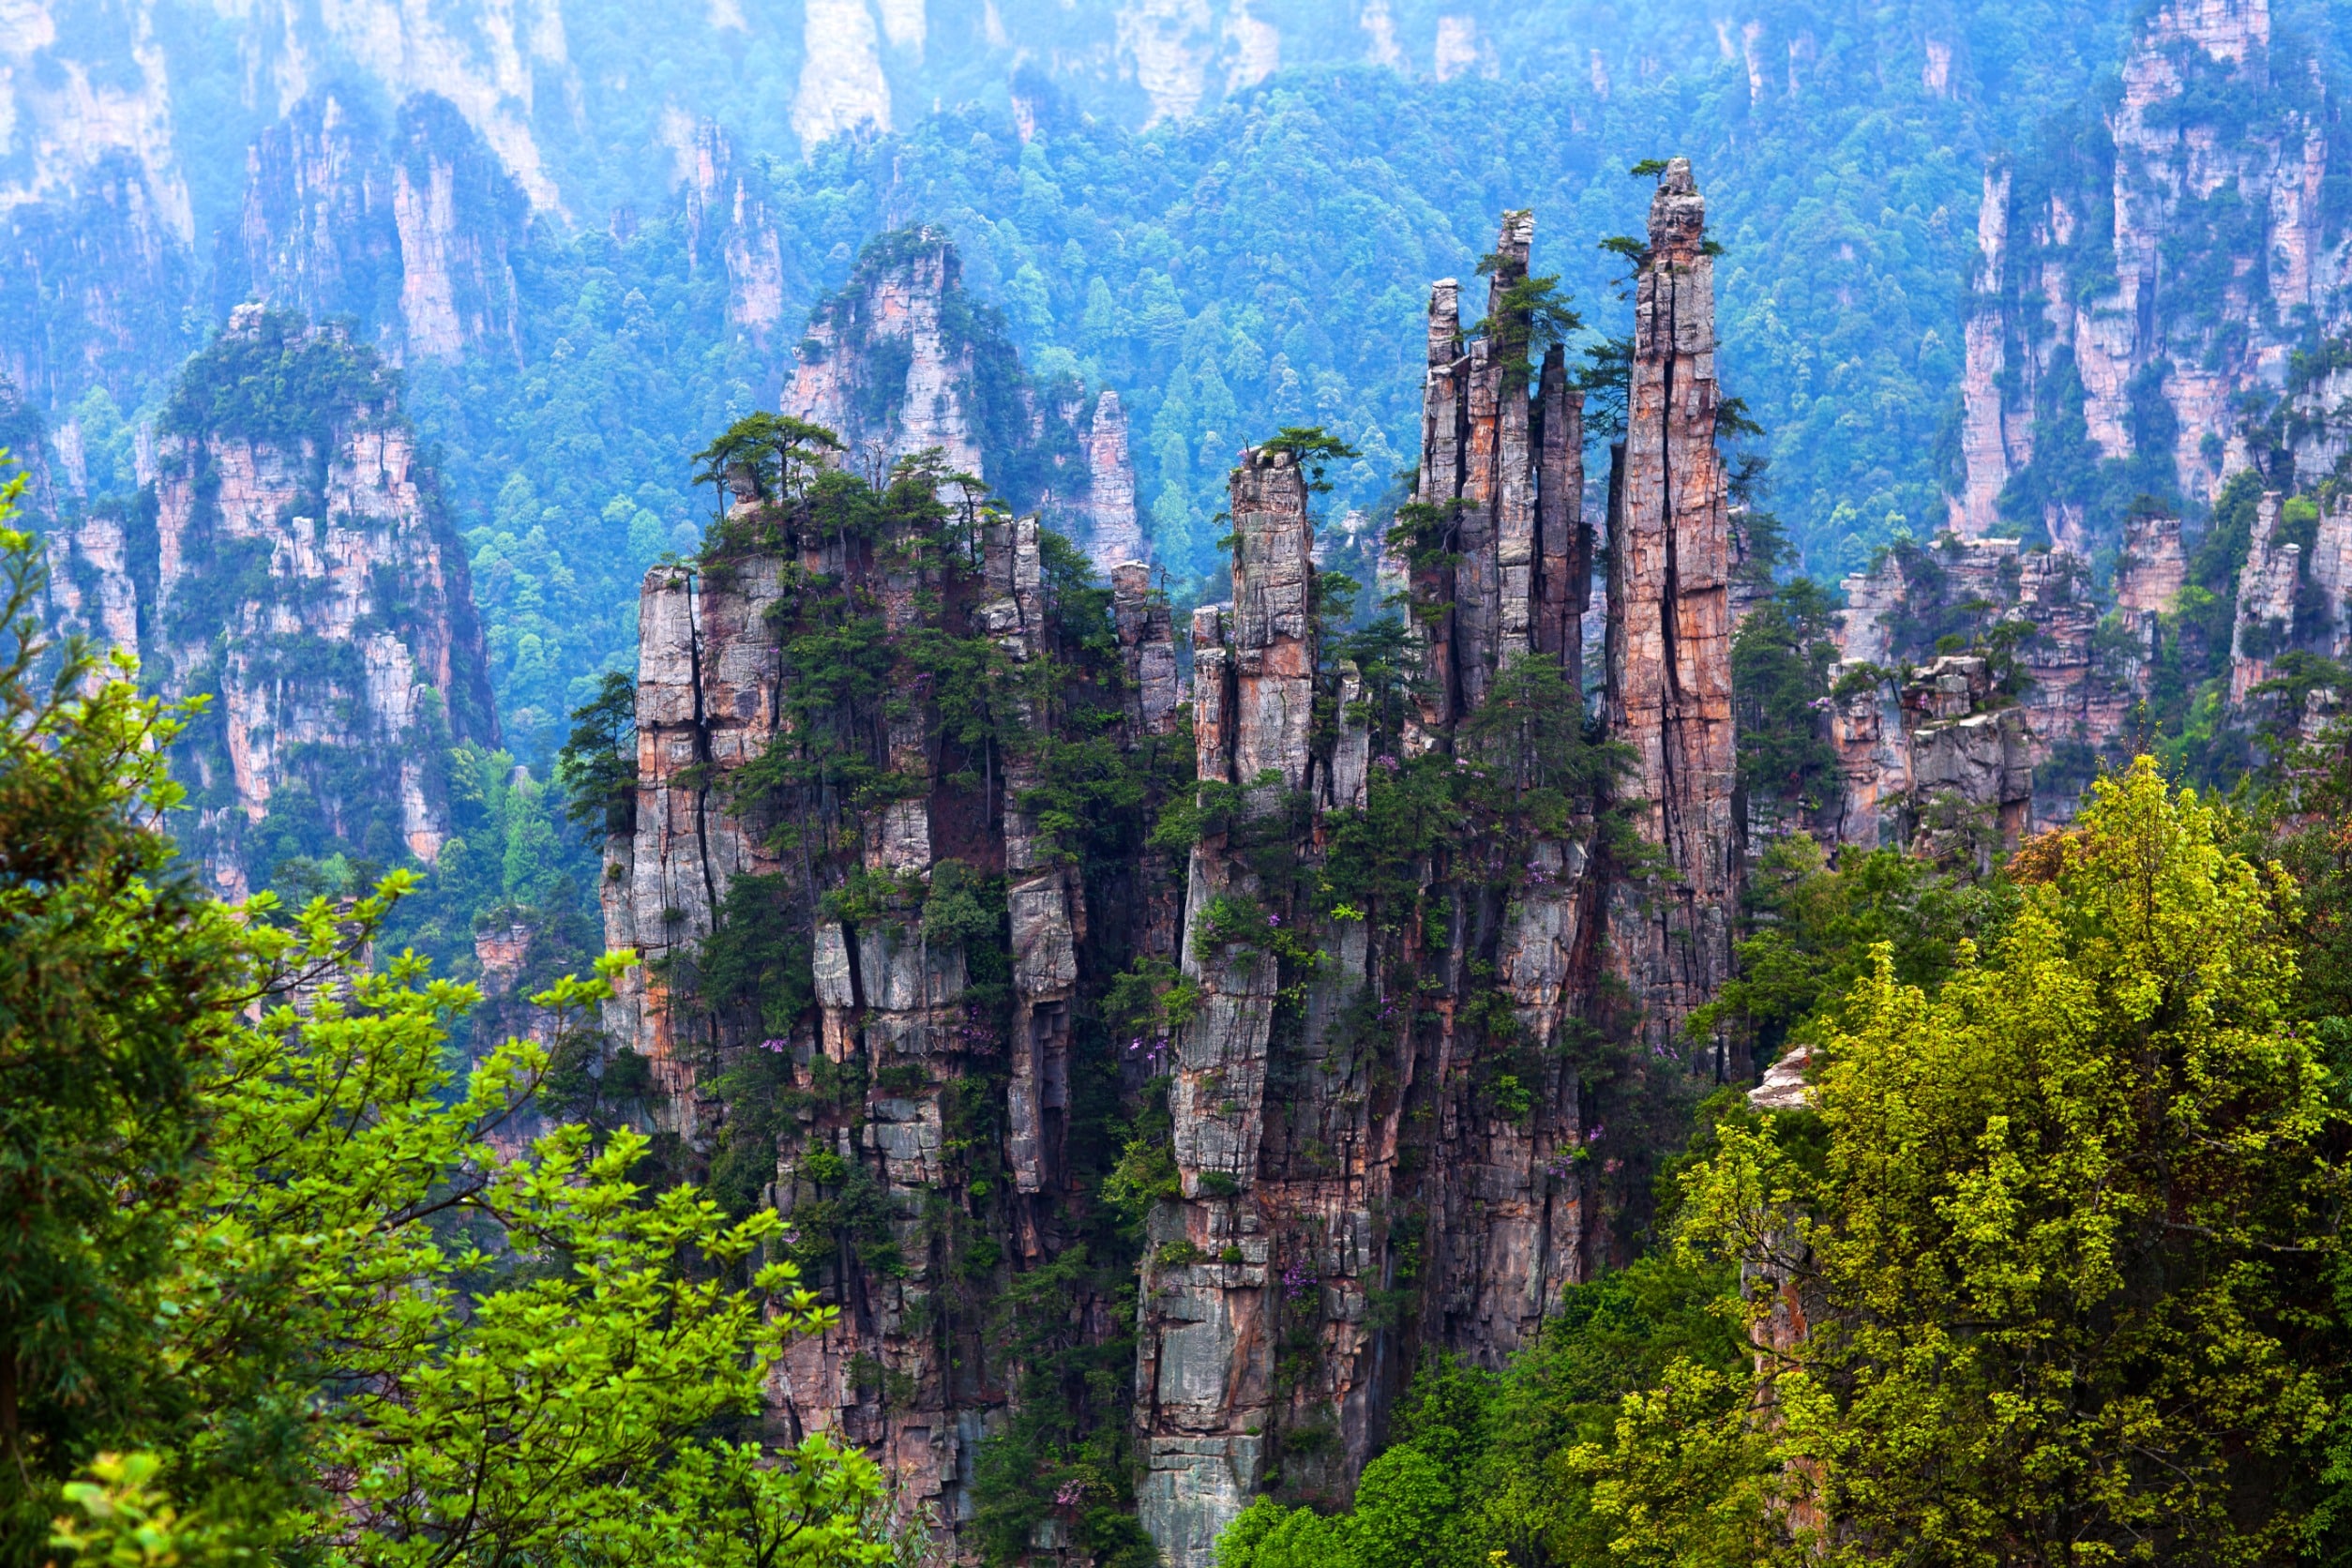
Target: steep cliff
x: 289, y: 563
x: 1669, y: 629
x: 1325, y: 1001
x: 2136, y: 278
x: 408, y: 231
x: 902, y: 359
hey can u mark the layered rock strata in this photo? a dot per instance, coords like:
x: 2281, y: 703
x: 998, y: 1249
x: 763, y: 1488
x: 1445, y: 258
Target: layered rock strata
x: 902, y: 360
x: 1501, y: 473
x: 1377, y: 1135
x: 1670, y: 666
x: 294, y: 567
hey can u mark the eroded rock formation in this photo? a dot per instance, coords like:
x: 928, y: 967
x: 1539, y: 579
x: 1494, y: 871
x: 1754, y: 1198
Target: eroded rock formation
x: 408, y: 229
x: 1362, y: 979
x: 901, y: 360
x: 1669, y: 651
x: 291, y: 563
x: 2218, y: 156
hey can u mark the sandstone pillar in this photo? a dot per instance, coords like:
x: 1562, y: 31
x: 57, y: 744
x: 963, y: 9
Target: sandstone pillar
x: 1670, y: 672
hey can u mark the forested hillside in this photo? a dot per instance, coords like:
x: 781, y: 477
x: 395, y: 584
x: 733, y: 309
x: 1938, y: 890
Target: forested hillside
x: 1252, y: 264
x: 1247, y: 784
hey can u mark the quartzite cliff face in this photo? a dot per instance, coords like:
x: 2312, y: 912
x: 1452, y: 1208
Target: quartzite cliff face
x: 2131, y: 287
x: 1385, y: 1124
x: 901, y: 360
x: 288, y: 561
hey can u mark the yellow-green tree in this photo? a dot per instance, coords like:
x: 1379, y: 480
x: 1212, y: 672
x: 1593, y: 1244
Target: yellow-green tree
x: 2040, y: 1276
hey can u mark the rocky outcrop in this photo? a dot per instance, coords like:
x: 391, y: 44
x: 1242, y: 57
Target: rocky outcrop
x: 729, y: 226
x: 1670, y: 664
x: 2028, y: 724
x: 409, y: 230
x: 2265, y: 601
x: 291, y: 564
x: 1502, y: 472
x: 94, y: 283
x: 901, y: 360
x: 2220, y: 152
x: 1114, y: 529
x: 1355, y: 981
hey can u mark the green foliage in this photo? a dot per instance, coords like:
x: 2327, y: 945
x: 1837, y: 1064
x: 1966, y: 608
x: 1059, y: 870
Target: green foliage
x: 1315, y: 449
x: 272, y: 1292
x: 1779, y: 680
x: 281, y: 382
x: 597, y: 767
x: 764, y: 454
x: 119, y: 980
x: 2064, y: 1236
x: 1816, y: 929
x: 1481, y: 1463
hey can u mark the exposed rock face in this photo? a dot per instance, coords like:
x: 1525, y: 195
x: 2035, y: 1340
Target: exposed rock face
x: 2265, y: 601
x: 295, y: 565
x: 1114, y: 532
x: 1361, y: 1160
x: 1984, y: 435
x: 411, y: 231
x: 902, y: 360
x: 1958, y: 743
x: 1670, y: 664
x: 2192, y: 189
x: 895, y: 1060
x: 727, y: 225
x: 1507, y: 473
x: 94, y: 283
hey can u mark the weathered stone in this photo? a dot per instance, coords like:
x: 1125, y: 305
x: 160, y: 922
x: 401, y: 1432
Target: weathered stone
x: 356, y: 553
x: 1271, y: 643
x: 1669, y: 666
x: 2265, y: 601
x: 1147, y: 637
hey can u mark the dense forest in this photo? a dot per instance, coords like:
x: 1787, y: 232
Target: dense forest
x: 1225, y: 786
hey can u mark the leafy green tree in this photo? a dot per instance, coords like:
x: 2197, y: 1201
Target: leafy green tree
x: 391, y: 1343
x: 1780, y: 669
x: 1814, y: 929
x: 279, y: 1281
x: 2062, y: 1229
x: 597, y: 766
x: 118, y: 983
x: 1480, y: 1461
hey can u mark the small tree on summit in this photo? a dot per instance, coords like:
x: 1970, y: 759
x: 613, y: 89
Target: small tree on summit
x: 764, y: 450
x: 1315, y: 448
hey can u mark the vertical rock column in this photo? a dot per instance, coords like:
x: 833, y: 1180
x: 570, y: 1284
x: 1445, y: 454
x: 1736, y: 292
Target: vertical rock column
x: 1669, y: 675
x: 1564, y: 584
x: 1439, y: 486
x: 1204, y: 1386
x: 1045, y: 927
x: 2265, y: 601
x: 1503, y: 456
x: 707, y: 696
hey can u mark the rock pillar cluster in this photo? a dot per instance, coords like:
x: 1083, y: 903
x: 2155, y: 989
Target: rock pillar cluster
x: 277, y: 534
x: 1380, y: 1133
x: 1501, y: 474
x: 1669, y: 654
x: 2215, y: 156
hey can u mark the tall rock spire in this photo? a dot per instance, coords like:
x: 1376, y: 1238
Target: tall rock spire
x: 1502, y: 463
x: 1669, y: 654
